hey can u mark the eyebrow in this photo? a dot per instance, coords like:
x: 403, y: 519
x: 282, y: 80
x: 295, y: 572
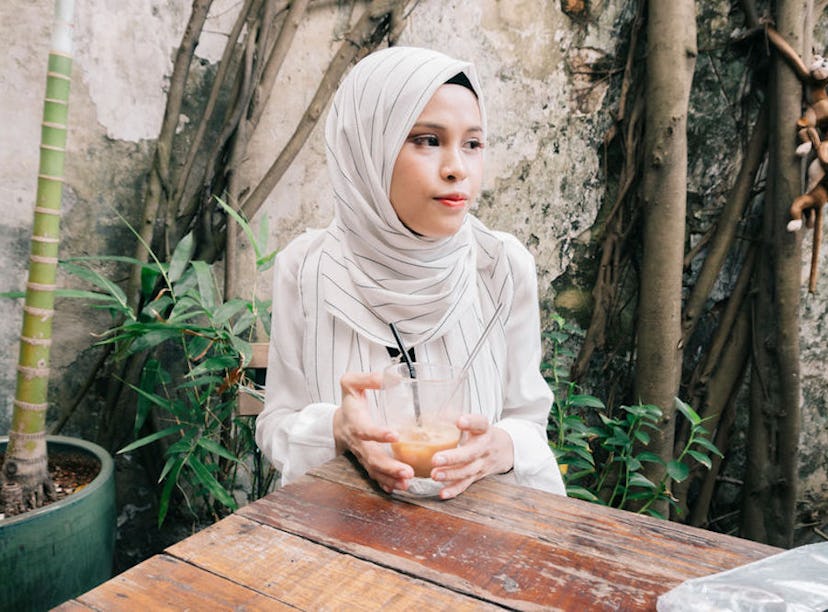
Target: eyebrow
x: 440, y: 126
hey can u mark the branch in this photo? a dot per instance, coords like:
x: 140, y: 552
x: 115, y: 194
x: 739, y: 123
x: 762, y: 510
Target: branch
x: 158, y: 184
x: 726, y: 228
x: 363, y: 38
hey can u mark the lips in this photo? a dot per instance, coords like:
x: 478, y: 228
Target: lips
x: 453, y: 200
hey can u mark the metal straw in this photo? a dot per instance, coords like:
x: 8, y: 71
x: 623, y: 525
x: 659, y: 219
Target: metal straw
x: 411, y: 372
x: 473, y: 353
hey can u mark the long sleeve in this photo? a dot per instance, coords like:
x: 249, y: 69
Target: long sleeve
x: 293, y: 432
x: 527, y: 396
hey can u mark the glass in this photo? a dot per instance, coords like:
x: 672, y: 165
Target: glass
x: 423, y: 410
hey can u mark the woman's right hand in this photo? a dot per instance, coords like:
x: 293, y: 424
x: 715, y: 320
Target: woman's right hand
x: 355, y: 431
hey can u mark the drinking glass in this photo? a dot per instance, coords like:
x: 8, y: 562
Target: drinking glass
x: 423, y: 410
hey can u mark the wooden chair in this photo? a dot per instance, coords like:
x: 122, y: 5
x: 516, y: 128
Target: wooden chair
x: 251, y: 399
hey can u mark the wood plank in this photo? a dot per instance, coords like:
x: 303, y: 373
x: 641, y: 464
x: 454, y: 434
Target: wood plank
x: 487, y: 561
x: 164, y: 583
x: 306, y: 575
x: 260, y: 355
x: 73, y: 605
x: 592, y: 529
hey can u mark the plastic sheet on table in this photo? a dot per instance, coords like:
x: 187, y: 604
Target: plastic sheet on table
x: 792, y: 581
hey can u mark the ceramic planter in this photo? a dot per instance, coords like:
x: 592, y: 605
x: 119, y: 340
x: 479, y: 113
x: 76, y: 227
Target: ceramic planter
x: 59, y: 551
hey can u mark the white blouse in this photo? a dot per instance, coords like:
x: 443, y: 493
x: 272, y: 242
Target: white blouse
x: 295, y: 429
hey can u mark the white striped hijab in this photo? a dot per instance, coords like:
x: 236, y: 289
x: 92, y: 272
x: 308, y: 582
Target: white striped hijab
x: 374, y: 270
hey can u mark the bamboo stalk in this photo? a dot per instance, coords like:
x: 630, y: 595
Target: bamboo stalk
x: 26, y: 462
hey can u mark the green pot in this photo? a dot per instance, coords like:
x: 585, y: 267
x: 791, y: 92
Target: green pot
x: 64, y: 549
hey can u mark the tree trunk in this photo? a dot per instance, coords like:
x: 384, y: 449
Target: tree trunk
x: 671, y: 60
x: 771, y: 471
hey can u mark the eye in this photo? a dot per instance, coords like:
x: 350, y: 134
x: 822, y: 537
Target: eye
x: 474, y: 143
x: 425, y: 140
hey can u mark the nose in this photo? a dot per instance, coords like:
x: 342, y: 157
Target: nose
x: 453, y: 166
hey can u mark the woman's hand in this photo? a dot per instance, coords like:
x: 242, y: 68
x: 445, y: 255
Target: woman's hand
x: 355, y: 431
x: 483, y: 450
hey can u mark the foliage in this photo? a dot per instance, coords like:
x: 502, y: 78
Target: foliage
x: 196, y: 346
x: 602, y: 455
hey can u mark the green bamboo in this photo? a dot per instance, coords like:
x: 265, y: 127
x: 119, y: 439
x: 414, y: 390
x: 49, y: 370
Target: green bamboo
x: 26, y: 459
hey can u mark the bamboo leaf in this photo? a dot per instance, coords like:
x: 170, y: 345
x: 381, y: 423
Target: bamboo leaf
x: 214, y: 364
x: 217, y: 449
x: 245, y: 226
x: 209, y: 481
x: 206, y: 287
x: 166, y: 493
x: 181, y: 257
x: 150, y: 439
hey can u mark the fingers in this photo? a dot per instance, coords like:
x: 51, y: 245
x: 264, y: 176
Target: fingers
x: 389, y: 473
x: 474, y: 424
x: 356, y: 383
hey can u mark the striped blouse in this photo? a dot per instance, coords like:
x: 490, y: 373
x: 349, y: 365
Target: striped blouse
x: 310, y: 349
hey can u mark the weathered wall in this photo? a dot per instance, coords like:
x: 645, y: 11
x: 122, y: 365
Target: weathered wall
x: 543, y: 174
x: 546, y: 123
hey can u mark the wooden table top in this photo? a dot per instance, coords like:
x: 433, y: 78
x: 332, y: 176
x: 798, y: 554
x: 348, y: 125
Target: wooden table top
x: 332, y: 541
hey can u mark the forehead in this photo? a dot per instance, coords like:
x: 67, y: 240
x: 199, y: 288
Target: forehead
x: 455, y: 103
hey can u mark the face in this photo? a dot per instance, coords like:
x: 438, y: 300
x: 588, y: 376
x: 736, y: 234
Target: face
x: 439, y: 169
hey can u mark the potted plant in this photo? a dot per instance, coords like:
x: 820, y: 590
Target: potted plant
x: 51, y: 552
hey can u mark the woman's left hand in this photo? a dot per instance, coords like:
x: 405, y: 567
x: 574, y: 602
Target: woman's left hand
x: 483, y: 450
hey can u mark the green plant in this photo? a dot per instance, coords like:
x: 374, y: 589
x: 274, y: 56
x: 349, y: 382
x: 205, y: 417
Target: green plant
x: 197, y: 345
x: 25, y: 478
x: 601, y: 455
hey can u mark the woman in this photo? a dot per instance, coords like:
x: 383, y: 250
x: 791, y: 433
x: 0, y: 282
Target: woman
x: 405, y: 139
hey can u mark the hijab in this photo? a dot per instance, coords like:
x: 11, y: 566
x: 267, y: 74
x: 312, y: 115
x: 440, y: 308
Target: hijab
x: 374, y: 270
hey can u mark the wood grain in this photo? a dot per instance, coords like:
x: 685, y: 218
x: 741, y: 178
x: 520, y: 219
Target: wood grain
x: 163, y: 583
x: 309, y: 576
x: 332, y: 541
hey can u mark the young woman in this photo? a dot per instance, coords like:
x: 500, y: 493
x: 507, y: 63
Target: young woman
x: 405, y: 139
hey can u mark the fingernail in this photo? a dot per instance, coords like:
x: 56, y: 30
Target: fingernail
x: 439, y: 476
x: 438, y: 460
x: 463, y: 421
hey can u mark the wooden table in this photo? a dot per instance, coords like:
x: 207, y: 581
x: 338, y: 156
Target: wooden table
x: 331, y: 541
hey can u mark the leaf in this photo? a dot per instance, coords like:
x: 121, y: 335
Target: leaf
x: 707, y: 444
x: 209, y: 481
x: 206, y: 287
x: 150, y: 439
x: 150, y: 376
x: 161, y: 402
x: 582, y: 493
x: 217, y: 449
x: 639, y: 480
x: 701, y: 458
x: 214, y: 364
x: 690, y: 414
x: 677, y: 470
x: 585, y: 401
x: 152, y: 339
x: 166, y: 493
x: 648, y: 457
x: 243, y: 348
x: 181, y: 257
x: 227, y: 310
x: 642, y: 436
x: 99, y: 281
x: 243, y: 224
